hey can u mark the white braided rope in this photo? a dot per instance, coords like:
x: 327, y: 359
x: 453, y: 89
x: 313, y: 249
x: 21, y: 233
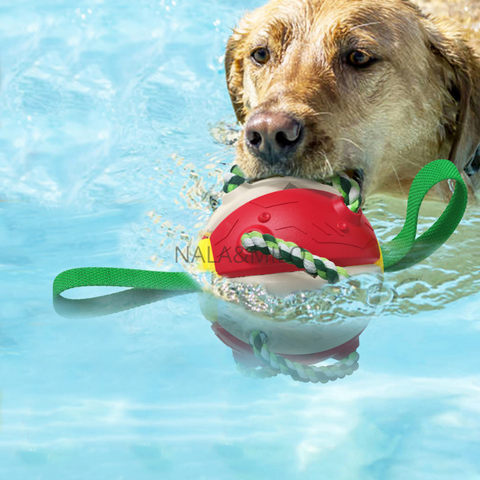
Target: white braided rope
x: 354, y: 190
x: 353, y: 198
x: 228, y: 176
x: 338, y: 370
x: 293, y: 250
x: 310, y: 373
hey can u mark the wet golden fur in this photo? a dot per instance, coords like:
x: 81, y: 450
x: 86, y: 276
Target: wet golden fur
x: 420, y: 101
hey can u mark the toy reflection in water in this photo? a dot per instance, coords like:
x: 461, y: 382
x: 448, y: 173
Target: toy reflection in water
x: 299, y: 367
x: 291, y: 335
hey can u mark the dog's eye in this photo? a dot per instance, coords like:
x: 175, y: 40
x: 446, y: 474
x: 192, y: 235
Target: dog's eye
x: 260, y: 55
x: 360, y: 59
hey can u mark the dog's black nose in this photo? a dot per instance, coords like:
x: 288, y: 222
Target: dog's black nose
x: 273, y: 136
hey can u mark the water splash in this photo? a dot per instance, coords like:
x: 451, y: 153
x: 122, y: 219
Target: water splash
x: 361, y: 296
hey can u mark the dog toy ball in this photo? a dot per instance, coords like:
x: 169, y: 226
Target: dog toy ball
x: 289, y: 234
x: 293, y: 234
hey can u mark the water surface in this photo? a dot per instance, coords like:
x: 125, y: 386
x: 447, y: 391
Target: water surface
x: 110, y: 148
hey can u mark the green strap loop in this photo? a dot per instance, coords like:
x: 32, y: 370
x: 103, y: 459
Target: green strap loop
x: 404, y: 250
x: 123, y: 277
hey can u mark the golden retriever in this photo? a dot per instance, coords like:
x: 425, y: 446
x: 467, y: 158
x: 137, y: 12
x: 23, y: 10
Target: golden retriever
x: 372, y: 86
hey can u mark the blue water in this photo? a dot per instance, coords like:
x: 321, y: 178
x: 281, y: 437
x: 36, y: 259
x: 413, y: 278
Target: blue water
x: 109, y: 117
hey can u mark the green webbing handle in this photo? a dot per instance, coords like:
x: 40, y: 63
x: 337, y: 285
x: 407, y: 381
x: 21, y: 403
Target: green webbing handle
x: 124, y: 277
x: 404, y: 250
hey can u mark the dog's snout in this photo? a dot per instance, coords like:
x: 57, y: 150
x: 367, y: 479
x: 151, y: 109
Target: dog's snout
x: 273, y: 136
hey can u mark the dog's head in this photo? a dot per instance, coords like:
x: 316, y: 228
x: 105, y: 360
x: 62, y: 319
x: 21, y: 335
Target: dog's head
x: 330, y: 85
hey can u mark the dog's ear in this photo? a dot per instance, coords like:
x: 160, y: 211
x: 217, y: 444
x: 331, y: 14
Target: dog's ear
x: 460, y: 69
x: 234, y: 65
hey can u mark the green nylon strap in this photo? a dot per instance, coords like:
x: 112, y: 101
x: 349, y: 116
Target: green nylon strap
x: 123, y: 277
x: 404, y: 250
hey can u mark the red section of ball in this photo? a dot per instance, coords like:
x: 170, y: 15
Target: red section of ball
x: 309, y: 218
x: 264, y: 217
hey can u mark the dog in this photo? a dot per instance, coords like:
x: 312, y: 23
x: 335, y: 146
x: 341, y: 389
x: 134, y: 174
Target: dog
x: 373, y: 87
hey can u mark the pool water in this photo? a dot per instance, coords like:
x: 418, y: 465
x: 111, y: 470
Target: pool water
x: 115, y: 130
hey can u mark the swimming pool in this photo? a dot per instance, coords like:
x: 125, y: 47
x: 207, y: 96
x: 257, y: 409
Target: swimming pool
x: 110, y: 143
